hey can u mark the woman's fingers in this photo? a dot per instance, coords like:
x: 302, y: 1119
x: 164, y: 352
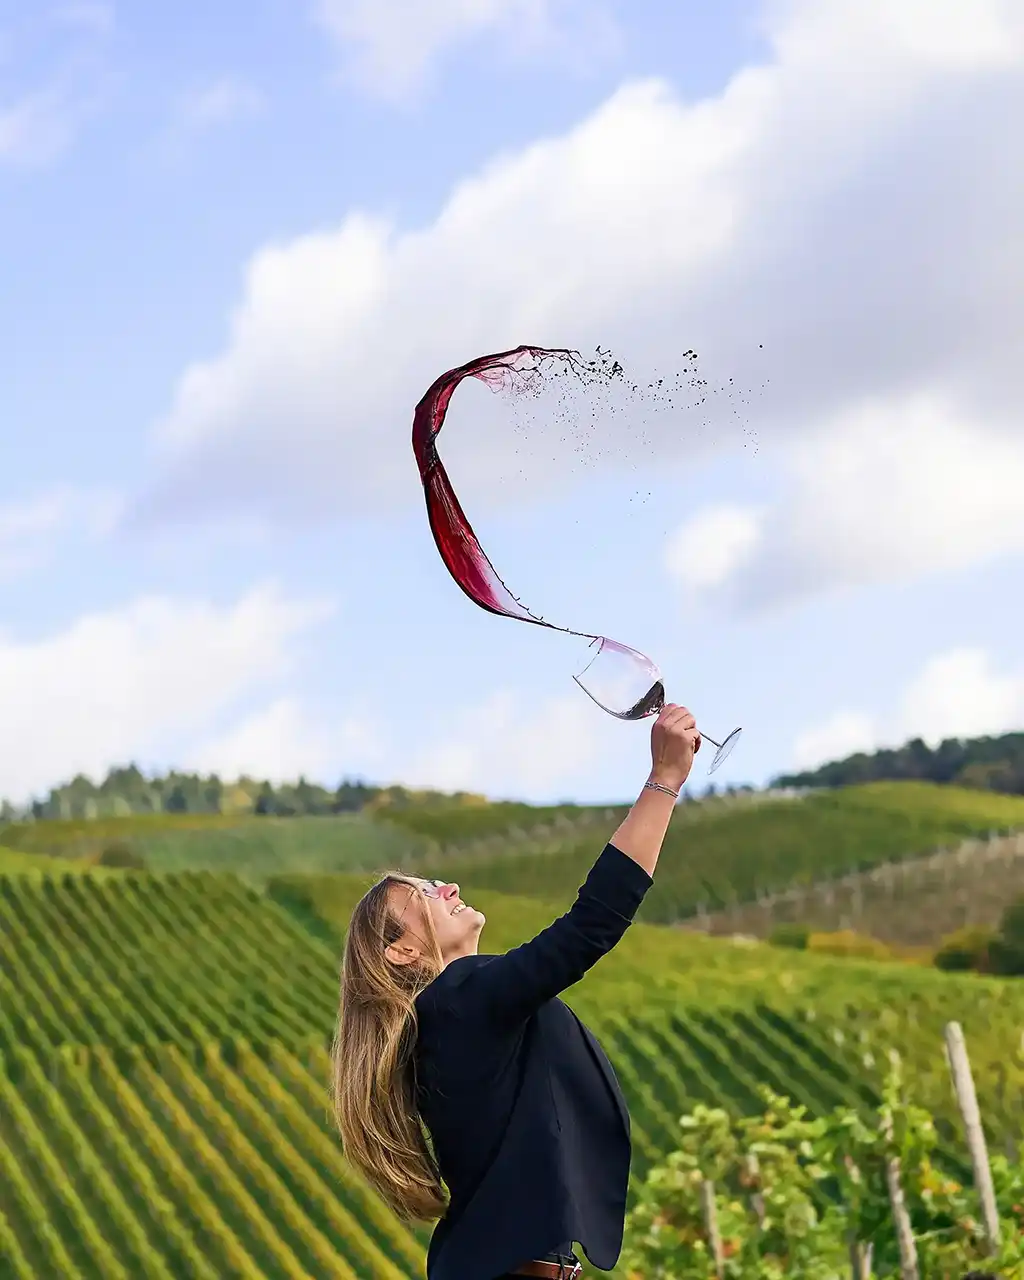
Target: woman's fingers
x: 680, y: 718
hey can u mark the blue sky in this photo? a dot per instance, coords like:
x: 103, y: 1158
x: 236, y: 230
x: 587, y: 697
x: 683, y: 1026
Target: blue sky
x: 239, y: 244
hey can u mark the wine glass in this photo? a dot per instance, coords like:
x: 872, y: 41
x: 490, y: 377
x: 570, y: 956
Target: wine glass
x: 629, y: 686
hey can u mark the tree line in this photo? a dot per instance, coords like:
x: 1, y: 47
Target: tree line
x: 126, y: 790
x: 988, y: 764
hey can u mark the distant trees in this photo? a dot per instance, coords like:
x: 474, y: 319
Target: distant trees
x: 997, y: 951
x: 987, y: 764
x: 126, y: 790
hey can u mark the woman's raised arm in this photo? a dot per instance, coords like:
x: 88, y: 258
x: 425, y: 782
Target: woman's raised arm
x: 509, y: 988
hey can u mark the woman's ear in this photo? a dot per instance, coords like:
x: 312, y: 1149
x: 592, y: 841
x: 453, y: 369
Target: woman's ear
x: 401, y: 954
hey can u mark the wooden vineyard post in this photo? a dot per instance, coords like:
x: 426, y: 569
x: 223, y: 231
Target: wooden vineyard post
x: 967, y: 1100
x: 707, y: 1204
x: 753, y: 1168
x: 909, y: 1269
x: 860, y: 1260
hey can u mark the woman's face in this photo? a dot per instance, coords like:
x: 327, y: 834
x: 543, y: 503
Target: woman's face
x: 456, y: 924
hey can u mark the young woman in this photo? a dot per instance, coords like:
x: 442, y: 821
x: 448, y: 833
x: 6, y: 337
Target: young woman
x: 528, y: 1129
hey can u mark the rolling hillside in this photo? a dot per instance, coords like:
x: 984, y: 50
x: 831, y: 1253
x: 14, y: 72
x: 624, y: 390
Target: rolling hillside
x: 913, y: 903
x: 163, y: 1037
x: 718, y: 851
x: 715, y: 856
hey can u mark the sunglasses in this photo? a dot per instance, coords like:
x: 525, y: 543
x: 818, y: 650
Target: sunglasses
x: 429, y: 889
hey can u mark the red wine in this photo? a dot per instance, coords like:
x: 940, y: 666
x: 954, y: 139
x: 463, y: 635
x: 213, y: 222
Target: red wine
x: 649, y: 705
x: 459, y: 546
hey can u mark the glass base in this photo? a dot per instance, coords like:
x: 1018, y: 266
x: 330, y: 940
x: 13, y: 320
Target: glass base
x: 725, y: 750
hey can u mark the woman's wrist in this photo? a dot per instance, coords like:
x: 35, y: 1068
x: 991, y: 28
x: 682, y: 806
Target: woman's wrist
x: 659, y: 778
x: 662, y: 790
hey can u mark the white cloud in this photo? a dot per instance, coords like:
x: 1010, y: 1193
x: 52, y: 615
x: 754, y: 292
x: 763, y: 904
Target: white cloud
x: 707, y: 550
x: 282, y: 741
x: 31, y: 528
x: 840, y: 736
x: 389, y: 46
x: 884, y: 492
x: 223, y: 101
x: 816, y: 205
x: 125, y: 683
x: 957, y: 694
x: 506, y: 746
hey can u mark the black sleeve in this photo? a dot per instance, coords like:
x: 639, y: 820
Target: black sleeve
x: 511, y: 987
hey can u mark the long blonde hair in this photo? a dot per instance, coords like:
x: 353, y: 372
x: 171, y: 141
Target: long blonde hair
x: 373, y: 1091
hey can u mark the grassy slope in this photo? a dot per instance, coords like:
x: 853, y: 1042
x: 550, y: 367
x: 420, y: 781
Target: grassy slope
x: 18, y: 862
x: 251, y: 847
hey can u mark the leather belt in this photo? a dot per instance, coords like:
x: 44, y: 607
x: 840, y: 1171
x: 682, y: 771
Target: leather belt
x: 549, y: 1270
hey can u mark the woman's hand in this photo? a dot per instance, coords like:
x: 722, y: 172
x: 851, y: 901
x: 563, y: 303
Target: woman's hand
x: 674, y: 742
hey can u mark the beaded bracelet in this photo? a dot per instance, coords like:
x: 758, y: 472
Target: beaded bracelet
x: 656, y: 786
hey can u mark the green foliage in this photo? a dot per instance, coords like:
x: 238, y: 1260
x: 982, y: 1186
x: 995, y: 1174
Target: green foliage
x: 790, y: 935
x: 793, y: 1193
x: 965, y: 949
x: 767, y: 1216
x: 120, y: 854
x: 994, y: 764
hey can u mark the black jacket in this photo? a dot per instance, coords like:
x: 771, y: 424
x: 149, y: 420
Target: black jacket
x: 529, y: 1125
